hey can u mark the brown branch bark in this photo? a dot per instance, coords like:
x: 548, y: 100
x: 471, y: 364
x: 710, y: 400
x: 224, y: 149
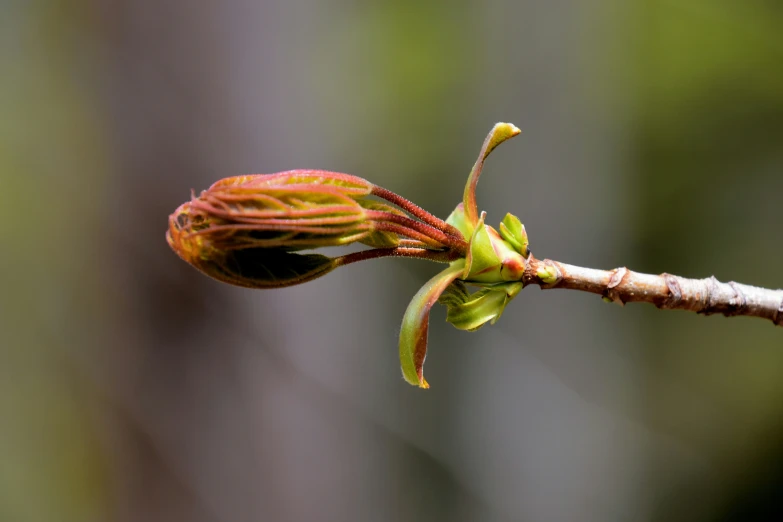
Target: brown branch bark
x: 666, y: 291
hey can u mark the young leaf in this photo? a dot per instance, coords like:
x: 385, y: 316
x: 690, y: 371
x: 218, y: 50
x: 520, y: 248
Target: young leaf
x: 470, y: 312
x: 346, y: 184
x: 459, y: 220
x: 380, y: 238
x: 482, y: 261
x: 415, y: 324
x: 499, y: 133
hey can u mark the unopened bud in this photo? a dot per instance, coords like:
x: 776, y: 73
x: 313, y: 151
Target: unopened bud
x: 243, y: 230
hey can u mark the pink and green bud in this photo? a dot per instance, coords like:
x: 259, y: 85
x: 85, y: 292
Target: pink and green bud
x: 244, y: 230
x: 250, y: 230
x: 490, y: 258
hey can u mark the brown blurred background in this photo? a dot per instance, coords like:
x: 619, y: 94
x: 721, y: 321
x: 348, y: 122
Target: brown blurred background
x: 132, y: 388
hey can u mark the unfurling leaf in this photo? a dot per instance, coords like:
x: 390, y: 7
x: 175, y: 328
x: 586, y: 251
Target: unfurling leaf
x: 415, y: 324
x: 470, y: 312
x: 482, y: 261
x: 251, y: 230
x: 491, y: 259
x: 243, y: 230
x: 380, y: 238
x: 352, y: 186
x: 459, y: 220
x: 260, y: 213
x: 499, y: 133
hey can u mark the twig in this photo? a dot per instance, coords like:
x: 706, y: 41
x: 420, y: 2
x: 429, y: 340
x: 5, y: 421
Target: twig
x: 252, y: 230
x: 666, y: 291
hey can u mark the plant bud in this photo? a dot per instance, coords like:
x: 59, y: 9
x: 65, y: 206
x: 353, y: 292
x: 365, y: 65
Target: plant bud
x: 243, y: 230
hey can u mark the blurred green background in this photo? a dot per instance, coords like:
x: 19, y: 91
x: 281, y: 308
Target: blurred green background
x: 133, y: 388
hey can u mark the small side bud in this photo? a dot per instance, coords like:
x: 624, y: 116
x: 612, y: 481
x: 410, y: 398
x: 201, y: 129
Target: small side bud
x: 547, y: 274
x: 513, y: 231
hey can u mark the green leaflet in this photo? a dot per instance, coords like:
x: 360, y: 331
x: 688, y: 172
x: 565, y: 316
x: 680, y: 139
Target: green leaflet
x: 470, y: 312
x: 499, y: 133
x: 415, y: 324
x: 482, y: 261
x: 459, y: 220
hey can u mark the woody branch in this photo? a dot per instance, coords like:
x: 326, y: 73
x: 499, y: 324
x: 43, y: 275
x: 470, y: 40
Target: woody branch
x: 665, y: 291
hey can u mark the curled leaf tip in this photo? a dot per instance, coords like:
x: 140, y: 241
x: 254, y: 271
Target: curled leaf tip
x: 499, y: 133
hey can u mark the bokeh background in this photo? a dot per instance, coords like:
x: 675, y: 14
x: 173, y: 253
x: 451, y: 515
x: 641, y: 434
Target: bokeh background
x: 132, y: 388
